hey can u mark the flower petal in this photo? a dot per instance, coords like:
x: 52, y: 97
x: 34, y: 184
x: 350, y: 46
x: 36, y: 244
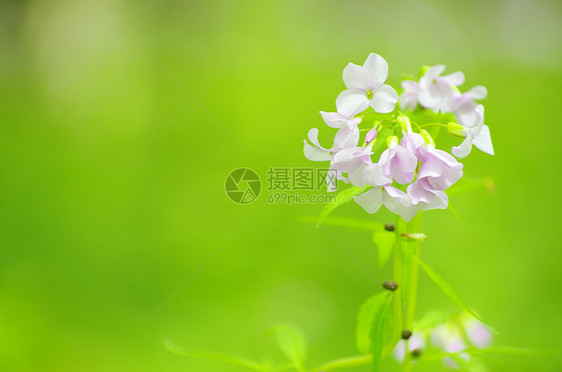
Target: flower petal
x: 384, y: 99
x: 456, y: 78
x: 357, y: 77
x: 313, y: 138
x: 377, y: 66
x: 477, y: 92
x: 347, y: 136
x: 337, y: 120
x: 430, y: 75
x: 463, y: 149
x: 357, y: 176
x: 374, y: 175
x: 370, y: 200
x: 315, y: 153
x: 399, y: 203
x: 352, y: 102
x: 484, y: 141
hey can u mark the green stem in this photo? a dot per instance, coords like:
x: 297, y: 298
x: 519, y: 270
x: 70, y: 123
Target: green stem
x: 397, y: 277
x: 414, y: 246
x: 434, y: 125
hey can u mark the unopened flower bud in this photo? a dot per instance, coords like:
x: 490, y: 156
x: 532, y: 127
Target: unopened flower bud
x: 389, y: 227
x: 414, y: 236
x: 456, y: 129
x: 371, y: 135
x: 427, y: 137
x: 406, y: 334
x: 404, y: 123
x: 390, y: 285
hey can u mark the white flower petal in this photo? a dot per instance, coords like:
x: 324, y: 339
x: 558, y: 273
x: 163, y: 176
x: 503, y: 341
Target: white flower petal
x: 456, y: 78
x: 478, y: 92
x: 384, y: 99
x: 357, y: 77
x: 484, y: 141
x: 347, y: 136
x: 399, y: 203
x: 352, y: 102
x: 313, y: 138
x: 374, y: 175
x: 315, y: 153
x: 377, y: 66
x: 463, y: 149
x: 357, y: 176
x: 430, y: 75
x: 370, y: 200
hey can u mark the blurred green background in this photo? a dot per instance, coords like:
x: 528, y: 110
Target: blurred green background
x: 112, y: 177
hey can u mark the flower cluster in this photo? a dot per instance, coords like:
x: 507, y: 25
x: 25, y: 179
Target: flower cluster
x: 455, y: 336
x: 411, y: 173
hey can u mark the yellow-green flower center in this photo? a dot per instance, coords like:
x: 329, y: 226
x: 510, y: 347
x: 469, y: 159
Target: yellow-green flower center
x: 370, y: 94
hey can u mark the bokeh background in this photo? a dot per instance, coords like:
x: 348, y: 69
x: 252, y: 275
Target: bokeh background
x: 112, y: 177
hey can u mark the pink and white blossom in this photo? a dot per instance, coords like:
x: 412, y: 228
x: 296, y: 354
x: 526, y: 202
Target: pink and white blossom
x: 464, y: 105
x: 383, y: 192
x: 440, y: 169
x: 366, y: 87
x: 347, y: 136
x: 409, y: 97
x: 478, y: 135
x: 437, y: 92
x: 398, y: 163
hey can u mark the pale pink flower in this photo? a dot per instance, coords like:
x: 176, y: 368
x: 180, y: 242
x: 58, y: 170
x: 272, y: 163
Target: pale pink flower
x: 464, y: 105
x: 366, y: 87
x: 409, y: 97
x: 478, y: 135
x: 437, y: 92
x: 394, y: 199
x: 398, y: 163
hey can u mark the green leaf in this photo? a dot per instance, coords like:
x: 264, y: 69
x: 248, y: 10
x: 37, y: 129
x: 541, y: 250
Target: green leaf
x: 342, y: 197
x: 365, y: 318
x: 378, y: 330
x: 431, y: 319
x: 448, y: 290
x: 292, y: 343
x: 208, y: 355
x: 385, y: 242
x: 347, y: 362
x: 356, y: 224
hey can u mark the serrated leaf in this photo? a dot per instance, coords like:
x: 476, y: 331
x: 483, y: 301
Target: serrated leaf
x: 218, y: 357
x: 448, y: 290
x: 378, y: 328
x: 342, y: 197
x: 384, y: 240
x: 356, y: 224
x: 292, y: 343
